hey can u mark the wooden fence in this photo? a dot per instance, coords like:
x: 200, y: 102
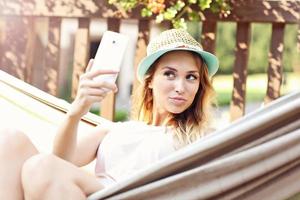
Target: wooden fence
x: 17, y: 49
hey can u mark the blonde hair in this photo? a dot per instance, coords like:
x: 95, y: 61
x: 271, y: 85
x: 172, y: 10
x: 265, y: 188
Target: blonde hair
x: 192, y: 123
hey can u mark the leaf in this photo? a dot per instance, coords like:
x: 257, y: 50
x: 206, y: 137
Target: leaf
x: 179, y: 5
x: 146, y: 12
x: 179, y: 23
x: 193, y: 16
x: 159, y: 18
x: 203, y: 4
x: 170, y: 13
x: 192, y: 1
x: 111, y: 1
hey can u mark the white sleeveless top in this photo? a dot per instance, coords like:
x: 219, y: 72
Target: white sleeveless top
x: 129, y: 147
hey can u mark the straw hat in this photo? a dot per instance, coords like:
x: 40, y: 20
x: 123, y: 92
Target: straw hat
x: 171, y: 40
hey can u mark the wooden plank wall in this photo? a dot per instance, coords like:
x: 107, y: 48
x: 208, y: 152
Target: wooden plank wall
x: 17, y: 52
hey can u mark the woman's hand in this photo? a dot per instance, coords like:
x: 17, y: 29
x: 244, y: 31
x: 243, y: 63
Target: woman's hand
x: 90, y: 91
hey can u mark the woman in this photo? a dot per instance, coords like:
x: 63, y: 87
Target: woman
x: 171, y: 109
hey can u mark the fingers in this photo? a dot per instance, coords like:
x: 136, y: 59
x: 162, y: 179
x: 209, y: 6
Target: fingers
x: 93, y: 74
x: 107, y: 86
x: 88, y: 96
x: 96, y: 92
x: 96, y: 99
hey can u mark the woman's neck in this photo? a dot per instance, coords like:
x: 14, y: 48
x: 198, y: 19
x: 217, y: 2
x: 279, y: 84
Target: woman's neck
x: 160, y: 119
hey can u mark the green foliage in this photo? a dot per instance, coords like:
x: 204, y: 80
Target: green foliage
x: 173, y: 10
x: 259, y: 48
x: 291, y: 56
x: 121, y: 4
x: 203, y: 4
x: 179, y: 23
x: 225, y: 46
x: 256, y: 87
x: 120, y: 115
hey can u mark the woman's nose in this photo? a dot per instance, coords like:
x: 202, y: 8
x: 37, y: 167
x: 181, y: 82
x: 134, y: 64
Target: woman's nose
x: 179, y: 86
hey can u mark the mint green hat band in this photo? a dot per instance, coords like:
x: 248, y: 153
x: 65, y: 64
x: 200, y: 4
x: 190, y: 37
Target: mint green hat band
x: 173, y: 40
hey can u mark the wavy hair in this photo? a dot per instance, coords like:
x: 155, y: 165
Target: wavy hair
x: 192, y: 123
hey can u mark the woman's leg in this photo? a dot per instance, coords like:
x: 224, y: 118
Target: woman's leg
x: 50, y: 177
x: 15, y: 148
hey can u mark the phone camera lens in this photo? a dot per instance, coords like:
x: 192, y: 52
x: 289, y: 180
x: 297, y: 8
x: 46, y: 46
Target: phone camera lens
x: 113, y: 41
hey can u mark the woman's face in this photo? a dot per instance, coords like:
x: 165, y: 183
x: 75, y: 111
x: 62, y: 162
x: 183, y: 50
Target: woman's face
x: 175, y: 82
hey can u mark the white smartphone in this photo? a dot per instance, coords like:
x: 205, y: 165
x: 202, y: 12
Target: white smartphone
x: 110, y: 54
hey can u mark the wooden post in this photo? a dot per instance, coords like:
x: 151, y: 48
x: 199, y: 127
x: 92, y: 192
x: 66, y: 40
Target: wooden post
x: 30, y: 50
x: 81, y: 52
x: 108, y: 103
x: 141, y: 46
x: 237, y: 106
x: 52, y: 56
x: 298, y: 36
x: 275, y: 63
x: 208, y: 36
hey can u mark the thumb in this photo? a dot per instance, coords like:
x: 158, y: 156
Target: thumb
x: 89, y: 66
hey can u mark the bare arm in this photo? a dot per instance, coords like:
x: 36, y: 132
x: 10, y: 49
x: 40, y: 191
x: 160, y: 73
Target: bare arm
x: 89, y: 92
x: 87, y: 147
x: 66, y: 138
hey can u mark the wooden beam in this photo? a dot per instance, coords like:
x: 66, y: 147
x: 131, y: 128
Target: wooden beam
x: 242, y: 10
x: 108, y: 103
x: 275, y: 63
x: 81, y: 52
x: 52, y: 56
x: 237, y: 106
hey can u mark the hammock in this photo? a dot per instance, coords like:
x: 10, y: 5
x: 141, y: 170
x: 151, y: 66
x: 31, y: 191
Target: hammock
x: 256, y: 157
x: 37, y: 113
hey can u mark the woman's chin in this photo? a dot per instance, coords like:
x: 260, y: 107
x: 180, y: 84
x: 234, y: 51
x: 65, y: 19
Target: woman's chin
x: 176, y: 110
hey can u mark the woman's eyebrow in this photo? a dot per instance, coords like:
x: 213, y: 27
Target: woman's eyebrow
x: 194, y: 71
x: 173, y: 69
x: 169, y: 68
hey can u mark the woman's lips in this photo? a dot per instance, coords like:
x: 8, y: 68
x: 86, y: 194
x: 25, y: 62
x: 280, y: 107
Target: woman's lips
x: 177, y: 100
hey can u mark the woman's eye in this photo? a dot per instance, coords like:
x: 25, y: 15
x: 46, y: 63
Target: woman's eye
x: 169, y: 74
x: 191, y: 77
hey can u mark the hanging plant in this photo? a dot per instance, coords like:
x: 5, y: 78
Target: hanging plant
x: 174, y: 10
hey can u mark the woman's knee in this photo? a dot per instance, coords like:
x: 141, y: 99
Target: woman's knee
x: 38, y: 174
x: 40, y: 165
x: 13, y: 141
